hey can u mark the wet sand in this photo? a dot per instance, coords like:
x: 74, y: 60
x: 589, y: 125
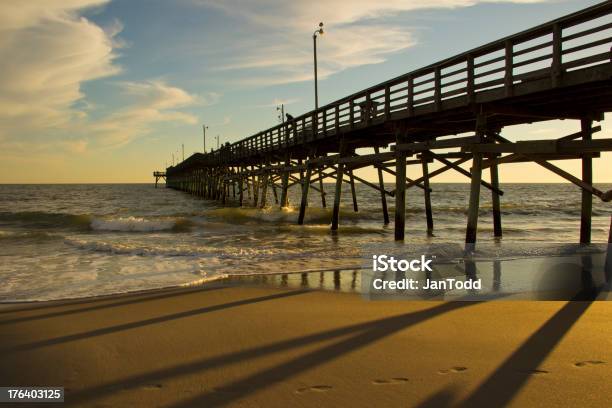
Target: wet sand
x: 260, y: 345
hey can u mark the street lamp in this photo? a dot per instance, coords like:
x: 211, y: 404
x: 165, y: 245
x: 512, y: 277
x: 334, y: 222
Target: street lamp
x: 314, y: 43
x: 281, y: 108
x: 204, y: 127
x: 217, y: 137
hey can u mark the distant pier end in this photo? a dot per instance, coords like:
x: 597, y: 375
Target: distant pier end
x: 159, y: 175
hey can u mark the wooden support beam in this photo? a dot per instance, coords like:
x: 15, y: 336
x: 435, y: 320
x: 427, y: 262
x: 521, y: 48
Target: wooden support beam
x: 383, y: 196
x: 338, y: 192
x: 305, y: 188
x: 608, y: 265
x: 520, y: 158
x: 585, y: 186
x: 544, y: 147
x: 240, y: 189
x: 353, y: 192
x: 284, y: 198
x: 465, y: 172
x: 587, y: 178
x: 264, y: 190
x: 497, y: 225
x: 367, y: 183
x: 255, y: 190
x: 322, y: 190
x: 400, y: 195
x: 274, y: 191
x: 427, y: 197
x: 411, y: 183
x: 435, y: 144
x: 476, y: 176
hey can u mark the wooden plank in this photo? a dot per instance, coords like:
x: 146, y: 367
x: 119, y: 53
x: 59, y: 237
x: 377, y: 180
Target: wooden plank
x: 435, y: 144
x: 544, y: 147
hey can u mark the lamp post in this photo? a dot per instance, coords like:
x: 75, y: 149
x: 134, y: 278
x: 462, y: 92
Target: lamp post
x: 217, y: 137
x: 281, y: 108
x: 204, y: 127
x: 314, y: 43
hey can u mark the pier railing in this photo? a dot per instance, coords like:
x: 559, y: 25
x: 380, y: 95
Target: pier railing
x: 576, y: 41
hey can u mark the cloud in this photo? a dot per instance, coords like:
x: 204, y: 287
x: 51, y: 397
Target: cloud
x: 48, y: 50
x: 359, y: 34
x: 151, y: 102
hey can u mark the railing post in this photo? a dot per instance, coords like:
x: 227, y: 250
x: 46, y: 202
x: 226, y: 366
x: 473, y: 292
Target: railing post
x: 470, y: 79
x: 410, y: 101
x: 438, y: 88
x: 352, y: 113
x: 337, y: 118
x: 557, y: 45
x: 509, y: 65
x: 369, y: 109
x: 387, y: 102
x: 325, y: 122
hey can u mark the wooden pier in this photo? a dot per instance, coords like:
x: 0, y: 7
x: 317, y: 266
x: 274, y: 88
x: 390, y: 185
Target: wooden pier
x: 451, y: 112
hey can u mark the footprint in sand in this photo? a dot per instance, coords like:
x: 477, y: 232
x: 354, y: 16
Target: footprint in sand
x: 452, y: 370
x: 395, y: 380
x: 534, y: 371
x: 588, y: 363
x: 314, y: 388
x: 152, y: 386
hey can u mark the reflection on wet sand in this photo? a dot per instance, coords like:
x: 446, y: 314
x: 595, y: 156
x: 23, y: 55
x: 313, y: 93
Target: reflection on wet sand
x: 338, y: 280
x: 579, y: 275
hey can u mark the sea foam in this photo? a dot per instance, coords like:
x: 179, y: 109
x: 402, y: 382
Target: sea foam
x: 132, y: 224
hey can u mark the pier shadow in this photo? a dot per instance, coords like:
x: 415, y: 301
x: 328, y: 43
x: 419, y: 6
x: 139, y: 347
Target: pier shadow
x: 507, y: 380
x: 140, y: 298
x: 147, y: 322
x: 363, y: 335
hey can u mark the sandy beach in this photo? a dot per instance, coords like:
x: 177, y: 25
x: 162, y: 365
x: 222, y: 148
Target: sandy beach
x: 228, y: 344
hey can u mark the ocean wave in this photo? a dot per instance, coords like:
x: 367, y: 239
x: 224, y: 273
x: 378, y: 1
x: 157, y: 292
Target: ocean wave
x: 41, y: 219
x: 28, y: 236
x: 138, y: 224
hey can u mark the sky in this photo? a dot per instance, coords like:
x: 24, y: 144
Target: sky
x: 97, y: 91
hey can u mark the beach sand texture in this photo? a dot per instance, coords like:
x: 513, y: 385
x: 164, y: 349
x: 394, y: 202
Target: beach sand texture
x: 247, y: 345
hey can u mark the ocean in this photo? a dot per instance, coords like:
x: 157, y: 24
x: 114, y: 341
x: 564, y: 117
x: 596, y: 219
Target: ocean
x: 71, y: 241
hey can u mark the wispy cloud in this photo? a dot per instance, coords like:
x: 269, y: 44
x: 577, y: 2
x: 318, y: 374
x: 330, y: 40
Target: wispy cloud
x: 360, y: 33
x: 278, y: 102
x: 152, y: 102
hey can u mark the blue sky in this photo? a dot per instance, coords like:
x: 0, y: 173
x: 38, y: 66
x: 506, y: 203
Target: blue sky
x: 106, y: 91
